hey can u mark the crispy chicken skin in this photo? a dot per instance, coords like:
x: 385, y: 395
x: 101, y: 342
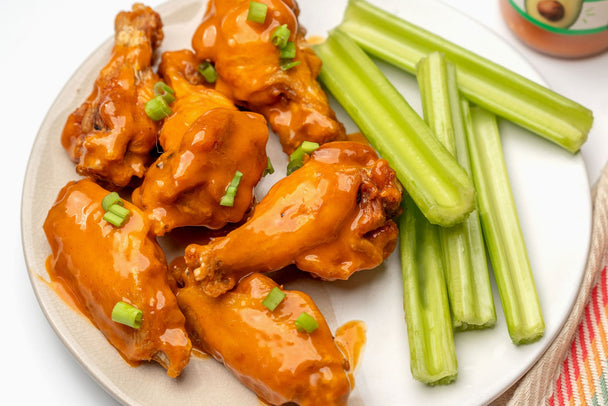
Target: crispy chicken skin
x: 109, y: 136
x: 263, y: 349
x: 248, y: 66
x: 193, y: 97
x: 331, y: 217
x: 185, y: 187
x: 100, y: 264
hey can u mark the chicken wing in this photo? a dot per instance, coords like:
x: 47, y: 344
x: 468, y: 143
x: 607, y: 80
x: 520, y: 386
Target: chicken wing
x: 331, y: 217
x: 110, y: 136
x: 185, y: 187
x: 264, y: 349
x: 193, y: 96
x: 100, y: 265
x: 248, y: 65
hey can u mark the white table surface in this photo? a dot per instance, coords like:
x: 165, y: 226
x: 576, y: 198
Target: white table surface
x: 41, y: 44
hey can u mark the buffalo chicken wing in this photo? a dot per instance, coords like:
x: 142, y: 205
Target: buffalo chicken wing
x: 331, y: 217
x: 110, y: 136
x: 185, y: 187
x: 249, y: 69
x: 100, y: 265
x: 192, y: 96
x: 263, y: 348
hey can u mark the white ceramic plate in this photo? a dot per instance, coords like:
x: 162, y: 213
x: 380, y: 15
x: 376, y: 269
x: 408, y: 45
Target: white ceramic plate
x: 549, y: 185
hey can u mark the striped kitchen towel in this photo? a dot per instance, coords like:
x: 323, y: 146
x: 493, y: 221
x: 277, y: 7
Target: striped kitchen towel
x: 582, y: 375
x: 574, y: 369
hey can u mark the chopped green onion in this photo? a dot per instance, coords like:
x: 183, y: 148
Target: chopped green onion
x: 306, y: 323
x: 228, y: 198
x: 114, y: 219
x: 425, y: 299
x: 274, y: 297
x: 280, y: 36
x: 208, y: 71
x: 288, y: 51
x: 110, y: 199
x: 430, y: 174
x: 502, y: 232
x: 127, y: 314
x: 296, y: 159
x: 157, y: 108
x: 163, y: 89
x: 306, y: 147
x: 465, y: 263
x: 481, y: 81
x: 119, y: 210
x: 293, y: 165
x: 269, y: 168
x: 288, y: 64
x: 257, y: 12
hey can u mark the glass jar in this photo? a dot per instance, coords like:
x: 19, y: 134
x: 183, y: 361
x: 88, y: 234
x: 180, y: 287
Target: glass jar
x: 563, y: 28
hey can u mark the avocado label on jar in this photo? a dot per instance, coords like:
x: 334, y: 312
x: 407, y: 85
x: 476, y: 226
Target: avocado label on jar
x: 574, y: 17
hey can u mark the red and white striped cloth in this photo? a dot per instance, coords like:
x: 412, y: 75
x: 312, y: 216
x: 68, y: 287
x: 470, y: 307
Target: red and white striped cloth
x: 574, y: 370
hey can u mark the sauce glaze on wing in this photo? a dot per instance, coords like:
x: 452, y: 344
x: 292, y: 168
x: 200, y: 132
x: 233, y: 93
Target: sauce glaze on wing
x: 184, y: 187
x: 263, y: 349
x: 100, y: 264
x: 331, y: 218
x: 193, y: 96
x: 249, y: 70
x: 109, y: 136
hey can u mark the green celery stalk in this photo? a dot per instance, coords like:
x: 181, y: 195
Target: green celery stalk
x: 440, y: 187
x: 502, y: 232
x: 483, y: 82
x: 425, y: 300
x: 463, y: 248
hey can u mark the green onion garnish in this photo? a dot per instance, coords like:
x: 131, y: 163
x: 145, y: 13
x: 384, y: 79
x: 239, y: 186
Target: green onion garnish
x: 306, y: 147
x: 274, y: 297
x: 269, y: 168
x: 257, y: 12
x: 110, y: 199
x: 119, y: 210
x: 128, y: 315
x: 293, y: 165
x: 115, y: 213
x: 158, y: 108
x: 208, y: 71
x: 305, y: 322
x: 280, y: 36
x: 288, y: 51
x: 163, y: 89
x: 114, y: 219
x: 296, y: 159
x: 228, y: 198
x: 288, y: 64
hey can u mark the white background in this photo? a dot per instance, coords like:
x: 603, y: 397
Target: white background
x: 41, y: 44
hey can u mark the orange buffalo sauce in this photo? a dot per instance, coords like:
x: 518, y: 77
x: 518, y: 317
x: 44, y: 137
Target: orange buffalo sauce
x: 562, y: 28
x: 350, y: 339
x: 99, y: 265
x: 61, y: 288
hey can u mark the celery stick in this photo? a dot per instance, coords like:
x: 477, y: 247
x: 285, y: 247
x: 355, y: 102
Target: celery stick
x: 425, y: 301
x: 440, y: 187
x: 483, y: 82
x: 502, y: 232
x: 463, y: 249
